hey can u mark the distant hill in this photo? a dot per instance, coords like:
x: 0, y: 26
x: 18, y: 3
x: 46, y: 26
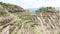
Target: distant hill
x: 58, y: 8
x: 34, y: 9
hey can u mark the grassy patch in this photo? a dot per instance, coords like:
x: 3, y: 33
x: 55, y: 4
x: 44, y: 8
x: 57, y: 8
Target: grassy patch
x: 36, y: 29
x: 11, y: 30
x: 3, y: 15
x: 26, y: 17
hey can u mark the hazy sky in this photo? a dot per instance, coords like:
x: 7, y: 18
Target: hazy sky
x: 34, y: 3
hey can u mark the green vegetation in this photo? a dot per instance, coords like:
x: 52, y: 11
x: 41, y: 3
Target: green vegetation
x: 28, y: 17
x: 11, y: 30
x: 36, y: 29
x: 43, y: 9
x: 4, y: 4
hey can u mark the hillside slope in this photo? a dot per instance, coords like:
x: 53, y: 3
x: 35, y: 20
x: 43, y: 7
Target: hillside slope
x: 16, y: 20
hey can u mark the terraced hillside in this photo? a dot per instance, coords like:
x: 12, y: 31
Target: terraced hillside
x: 13, y: 18
x: 16, y: 20
x: 49, y: 22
